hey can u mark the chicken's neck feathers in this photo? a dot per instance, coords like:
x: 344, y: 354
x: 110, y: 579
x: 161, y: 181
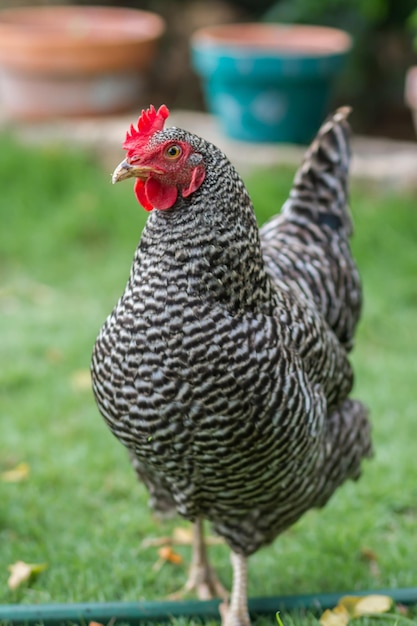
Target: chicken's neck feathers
x: 210, y: 242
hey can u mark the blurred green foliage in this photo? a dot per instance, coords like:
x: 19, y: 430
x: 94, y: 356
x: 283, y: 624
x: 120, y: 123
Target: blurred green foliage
x: 351, y: 14
x: 374, y: 77
x: 412, y: 24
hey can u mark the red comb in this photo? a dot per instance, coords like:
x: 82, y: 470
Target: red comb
x: 149, y: 123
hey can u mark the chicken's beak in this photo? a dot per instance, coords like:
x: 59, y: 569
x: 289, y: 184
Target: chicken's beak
x: 126, y: 170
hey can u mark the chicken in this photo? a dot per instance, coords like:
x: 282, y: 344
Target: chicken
x: 224, y: 366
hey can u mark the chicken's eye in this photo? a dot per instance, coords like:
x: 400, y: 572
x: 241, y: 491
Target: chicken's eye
x: 173, y: 151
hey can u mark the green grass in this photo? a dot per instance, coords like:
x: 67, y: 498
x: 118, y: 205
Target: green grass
x: 66, y: 242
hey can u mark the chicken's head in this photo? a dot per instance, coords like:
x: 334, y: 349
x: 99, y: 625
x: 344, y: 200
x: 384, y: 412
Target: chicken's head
x: 164, y: 165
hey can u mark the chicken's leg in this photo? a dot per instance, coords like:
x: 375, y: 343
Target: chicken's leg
x: 201, y: 578
x: 236, y: 612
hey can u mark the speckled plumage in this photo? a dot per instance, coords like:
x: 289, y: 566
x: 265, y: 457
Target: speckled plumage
x: 223, y: 367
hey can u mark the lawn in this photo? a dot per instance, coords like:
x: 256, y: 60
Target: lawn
x: 66, y: 242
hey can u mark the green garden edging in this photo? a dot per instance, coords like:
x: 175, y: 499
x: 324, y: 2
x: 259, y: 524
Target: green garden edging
x: 137, y: 612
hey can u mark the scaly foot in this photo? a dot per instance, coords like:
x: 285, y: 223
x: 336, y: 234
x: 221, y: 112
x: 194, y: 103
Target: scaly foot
x: 202, y: 578
x: 236, y: 612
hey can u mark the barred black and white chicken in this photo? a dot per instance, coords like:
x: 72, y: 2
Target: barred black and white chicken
x: 224, y: 366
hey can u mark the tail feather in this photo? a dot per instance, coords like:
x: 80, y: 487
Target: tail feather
x: 320, y: 189
x: 307, y: 244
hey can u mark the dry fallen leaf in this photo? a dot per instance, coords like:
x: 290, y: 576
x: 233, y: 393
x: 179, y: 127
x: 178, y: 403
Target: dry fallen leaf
x: 109, y: 623
x: 21, y: 572
x: 182, y: 536
x: 402, y: 609
x: 350, y: 607
x: 368, y: 554
x: 185, y: 537
x: 371, y: 558
x: 373, y: 604
x: 167, y: 554
x: 339, y: 616
x: 81, y: 380
x: 53, y: 355
x: 15, y: 475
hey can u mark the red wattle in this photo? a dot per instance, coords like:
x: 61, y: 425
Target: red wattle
x: 152, y: 194
x: 140, y: 194
x: 159, y: 195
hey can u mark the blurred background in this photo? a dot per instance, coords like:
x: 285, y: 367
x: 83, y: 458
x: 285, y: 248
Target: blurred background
x: 372, y: 81
x: 68, y: 496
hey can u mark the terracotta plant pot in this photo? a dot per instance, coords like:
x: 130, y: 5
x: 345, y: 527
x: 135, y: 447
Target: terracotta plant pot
x: 269, y: 82
x: 70, y: 60
x: 411, y: 92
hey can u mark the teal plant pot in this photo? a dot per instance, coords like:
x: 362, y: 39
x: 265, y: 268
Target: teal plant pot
x: 267, y: 82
